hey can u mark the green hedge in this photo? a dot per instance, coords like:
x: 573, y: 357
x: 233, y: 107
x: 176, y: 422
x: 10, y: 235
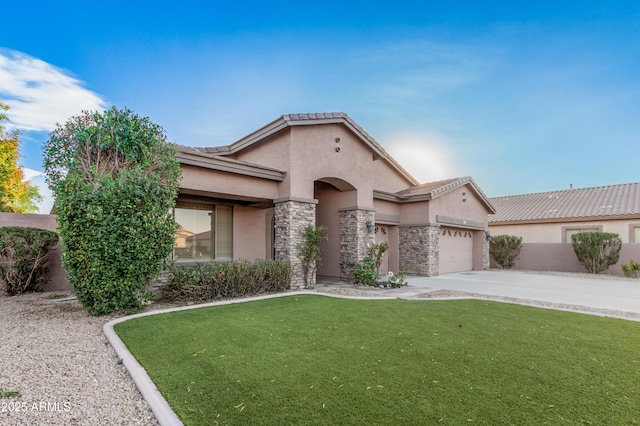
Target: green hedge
x: 595, y: 250
x: 24, y: 258
x: 505, y: 250
x: 215, y: 281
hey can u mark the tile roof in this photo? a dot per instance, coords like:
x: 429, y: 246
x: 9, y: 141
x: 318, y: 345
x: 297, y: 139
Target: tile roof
x: 430, y: 190
x: 601, y: 202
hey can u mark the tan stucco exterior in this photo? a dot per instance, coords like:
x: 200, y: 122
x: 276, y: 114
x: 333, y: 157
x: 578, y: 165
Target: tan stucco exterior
x: 326, y: 166
x: 554, y: 232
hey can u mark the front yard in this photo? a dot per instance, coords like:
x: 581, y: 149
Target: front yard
x: 306, y: 359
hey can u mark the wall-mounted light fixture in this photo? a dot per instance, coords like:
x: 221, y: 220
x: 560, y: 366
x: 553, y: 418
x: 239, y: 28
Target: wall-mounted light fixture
x: 487, y: 235
x: 369, y: 226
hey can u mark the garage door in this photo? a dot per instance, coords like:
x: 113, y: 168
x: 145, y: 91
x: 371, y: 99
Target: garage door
x: 456, y: 250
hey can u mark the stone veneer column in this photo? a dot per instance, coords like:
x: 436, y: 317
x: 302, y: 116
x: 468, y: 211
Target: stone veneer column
x: 419, y: 249
x: 354, y: 238
x: 291, y: 218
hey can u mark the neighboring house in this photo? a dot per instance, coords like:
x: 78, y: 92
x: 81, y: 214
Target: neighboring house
x: 546, y: 221
x: 252, y: 200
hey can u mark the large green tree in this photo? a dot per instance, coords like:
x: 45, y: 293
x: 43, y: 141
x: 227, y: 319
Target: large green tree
x: 16, y: 196
x: 115, y: 179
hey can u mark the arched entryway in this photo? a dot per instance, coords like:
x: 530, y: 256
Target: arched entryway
x: 333, y: 194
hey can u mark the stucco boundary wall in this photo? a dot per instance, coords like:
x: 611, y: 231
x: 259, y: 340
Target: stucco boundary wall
x: 560, y: 257
x: 57, y: 275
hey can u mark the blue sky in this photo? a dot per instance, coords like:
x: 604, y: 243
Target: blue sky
x: 522, y: 97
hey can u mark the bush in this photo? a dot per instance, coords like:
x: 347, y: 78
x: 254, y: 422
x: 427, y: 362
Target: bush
x: 115, y: 180
x: 310, y: 252
x: 505, y: 249
x: 24, y: 258
x: 365, y: 272
x: 597, y: 251
x: 376, y: 252
x: 215, y: 281
x: 632, y: 270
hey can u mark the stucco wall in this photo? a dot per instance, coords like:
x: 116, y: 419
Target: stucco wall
x: 553, y: 232
x: 387, y: 211
x: 461, y: 203
x: 250, y: 233
x: 314, y: 157
x: 561, y: 258
x: 415, y: 213
x: 198, y: 180
x: 57, y: 274
x: 274, y: 153
x: 386, y: 178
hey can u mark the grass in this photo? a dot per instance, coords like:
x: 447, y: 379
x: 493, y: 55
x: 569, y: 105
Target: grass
x: 9, y: 394
x: 310, y: 359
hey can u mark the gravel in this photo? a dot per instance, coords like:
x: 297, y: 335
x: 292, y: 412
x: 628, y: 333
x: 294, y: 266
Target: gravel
x: 58, y: 359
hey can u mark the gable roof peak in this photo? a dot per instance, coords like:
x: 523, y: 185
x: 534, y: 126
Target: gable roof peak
x: 431, y: 190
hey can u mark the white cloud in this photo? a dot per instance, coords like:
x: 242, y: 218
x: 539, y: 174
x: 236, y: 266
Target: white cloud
x: 39, y: 94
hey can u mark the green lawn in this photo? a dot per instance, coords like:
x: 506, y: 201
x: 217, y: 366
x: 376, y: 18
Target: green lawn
x: 310, y: 359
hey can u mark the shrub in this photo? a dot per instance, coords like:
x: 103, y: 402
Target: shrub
x: 376, y: 251
x: 596, y: 251
x: 115, y: 180
x: 311, y: 252
x: 395, y: 281
x: 365, y: 272
x: 505, y: 249
x: 632, y: 270
x: 24, y: 258
x: 215, y: 281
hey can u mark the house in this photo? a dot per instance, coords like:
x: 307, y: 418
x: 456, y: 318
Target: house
x: 546, y: 221
x: 252, y: 199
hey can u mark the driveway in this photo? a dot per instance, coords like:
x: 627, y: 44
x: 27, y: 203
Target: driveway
x: 597, y: 292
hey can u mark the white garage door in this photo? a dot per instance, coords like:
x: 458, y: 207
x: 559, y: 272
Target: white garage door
x: 456, y: 250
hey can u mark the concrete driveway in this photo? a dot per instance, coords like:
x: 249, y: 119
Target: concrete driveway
x: 597, y: 292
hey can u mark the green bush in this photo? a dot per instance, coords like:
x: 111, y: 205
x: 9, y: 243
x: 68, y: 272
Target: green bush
x: 632, y: 270
x: 215, y: 281
x: 597, y: 251
x: 310, y: 252
x: 505, y: 249
x: 376, y: 252
x: 365, y: 272
x: 115, y: 180
x: 24, y: 258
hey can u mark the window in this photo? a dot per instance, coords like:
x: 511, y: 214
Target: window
x: 567, y: 232
x: 205, y: 232
x: 634, y: 234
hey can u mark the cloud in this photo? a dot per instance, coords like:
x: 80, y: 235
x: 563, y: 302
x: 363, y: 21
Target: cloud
x: 39, y: 94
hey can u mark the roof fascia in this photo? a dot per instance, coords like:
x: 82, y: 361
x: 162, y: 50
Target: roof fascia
x: 226, y: 165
